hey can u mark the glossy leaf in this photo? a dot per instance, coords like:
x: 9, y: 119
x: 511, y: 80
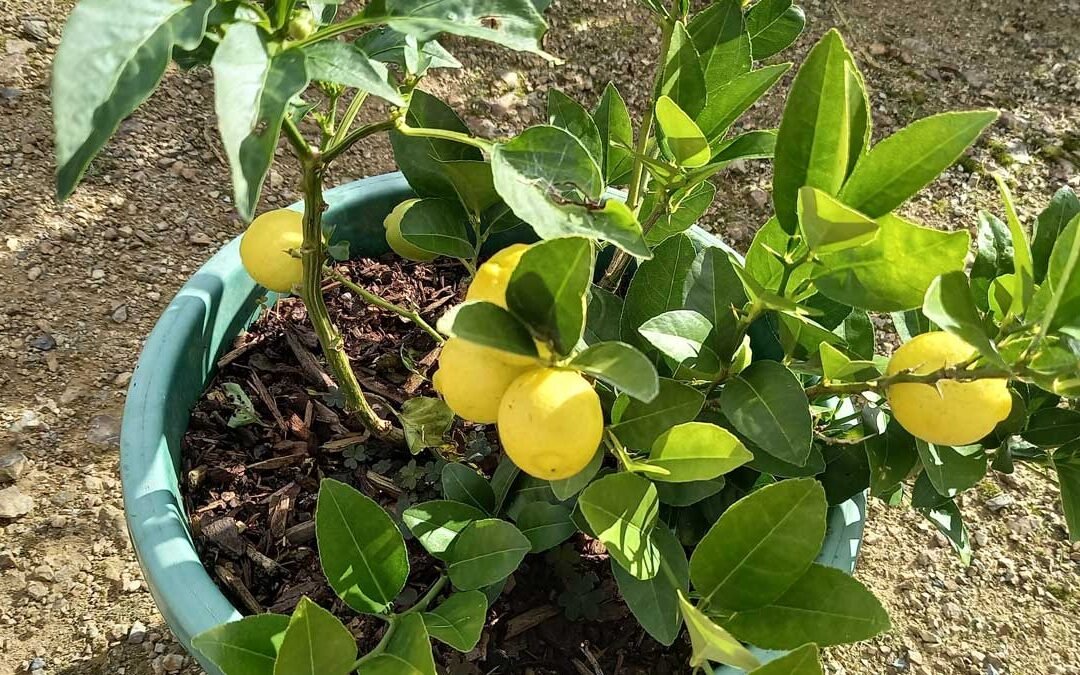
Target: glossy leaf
x: 949, y: 470
x: 682, y: 335
x: 438, y: 226
x: 487, y: 324
x: 827, y: 224
x: 425, y: 421
x: 713, y: 289
x: 950, y: 304
x: 816, y: 136
x: 696, y: 451
x: 545, y: 525
x: 825, y: 606
x: 683, y: 139
x: 767, y: 404
x: 760, y: 546
x: 112, y: 56
x: 1057, y: 302
x: 361, y: 549
x: 503, y: 480
x: 391, y: 46
x: 805, y: 660
x: 892, y: 457
x: 902, y: 164
x: 315, y: 643
x: 473, y: 183
x: 639, y: 424
x: 684, y: 209
x: 762, y: 262
x: 758, y: 144
x: 729, y: 101
x: 621, y: 510
x: 1052, y: 427
x: 603, y: 316
x: 773, y: 25
x: 657, y: 286
x: 711, y: 643
x: 1023, y: 264
x: 407, y: 651
x: 462, y: 484
x: 683, y: 79
x: 251, y: 91
x: 547, y: 290
x: 1063, y: 207
x: 459, y: 620
x: 613, y: 124
x: 436, y: 524
x: 688, y: 494
x: 621, y: 366
x: 655, y: 601
x: 837, y: 366
x: 342, y: 63
x: 566, y: 113
x: 993, y: 256
x: 1066, y: 461
x: 568, y: 487
x: 486, y: 552
x: 893, y: 271
x: 945, y: 516
x: 721, y: 40
x: 422, y: 159
x: 847, y: 472
x: 528, y: 490
x: 245, y: 647
x: 511, y: 23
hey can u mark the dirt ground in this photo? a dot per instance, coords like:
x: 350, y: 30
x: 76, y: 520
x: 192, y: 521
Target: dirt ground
x: 82, y: 283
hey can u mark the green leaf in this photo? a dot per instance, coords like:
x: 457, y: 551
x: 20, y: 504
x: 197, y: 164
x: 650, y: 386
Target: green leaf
x: 545, y: 525
x: 422, y: 160
x: 836, y: 366
x: 721, y: 39
x: 945, y: 516
x: 245, y: 647
x: 682, y: 138
x: 902, y: 164
x: 547, y: 290
x: 111, y: 58
x: 764, y: 257
x: 425, y: 421
x: 436, y: 524
x: 473, y: 183
x: 459, y: 620
x: 892, y: 457
x: 603, y: 316
x: 1066, y: 461
x: 767, y: 404
x: 502, y: 481
x: 621, y: 509
x: 407, y: 651
x: 825, y: 606
x: 462, y: 484
x: 805, y: 660
x: 1052, y: 427
x: 847, y: 472
x: 686, y: 207
x: 688, y: 494
x: 566, y: 113
x: 713, y: 289
x: 487, y: 324
x: 655, y: 602
x: 361, y: 549
x: 621, y: 366
x: 1063, y: 207
x: 438, y: 226
x: 761, y: 545
x: 342, y: 63
x: 251, y: 91
x: 1023, y: 264
x: 528, y: 490
x: 487, y: 551
x: 711, y: 643
x: 730, y: 100
x: 568, y: 487
x: 759, y: 144
x: 1057, y: 303
x: 950, y: 304
x: 613, y: 124
x: 817, y: 133
x: 893, y: 271
x: 511, y: 23
x: 657, y: 286
x: 551, y: 182
x: 391, y: 46
x: 333, y: 652
x: 682, y: 335
x: 696, y: 451
x: 800, y: 335
x: 640, y: 423
x: 949, y: 470
x: 773, y: 25
x: 829, y: 225
x: 993, y: 256
x: 683, y: 79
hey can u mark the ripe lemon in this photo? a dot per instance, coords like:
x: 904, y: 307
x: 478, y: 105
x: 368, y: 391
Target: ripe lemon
x: 392, y: 223
x: 493, y: 276
x: 472, y: 379
x: 264, y: 249
x: 947, y: 412
x: 550, y: 423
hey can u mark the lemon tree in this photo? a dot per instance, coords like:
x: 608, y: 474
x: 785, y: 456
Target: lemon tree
x: 693, y: 410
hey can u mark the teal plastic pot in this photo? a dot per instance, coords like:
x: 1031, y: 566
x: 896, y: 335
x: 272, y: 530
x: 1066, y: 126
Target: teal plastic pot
x: 176, y: 366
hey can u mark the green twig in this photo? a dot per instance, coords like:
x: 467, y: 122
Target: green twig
x: 880, y: 384
x: 337, y: 148
x: 379, y: 648
x: 371, y: 298
x: 349, y: 117
x: 444, y: 134
x: 433, y: 592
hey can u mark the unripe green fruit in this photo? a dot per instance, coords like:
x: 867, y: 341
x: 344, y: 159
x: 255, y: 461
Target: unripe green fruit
x: 302, y: 24
x: 392, y: 223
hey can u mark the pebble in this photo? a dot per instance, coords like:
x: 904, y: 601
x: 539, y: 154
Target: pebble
x: 172, y: 662
x: 34, y: 273
x: 13, y: 503
x: 12, y: 466
x: 999, y: 502
x: 137, y: 633
x: 43, y: 342
x: 120, y: 314
x: 200, y: 238
x: 104, y: 430
x: 97, y: 274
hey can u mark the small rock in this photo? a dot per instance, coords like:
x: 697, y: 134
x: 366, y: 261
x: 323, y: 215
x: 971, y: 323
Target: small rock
x: 30, y: 419
x: 97, y: 274
x: 12, y: 466
x: 35, y: 29
x: 43, y: 342
x: 13, y: 503
x: 120, y: 314
x: 122, y: 379
x: 759, y: 198
x: 93, y: 484
x: 104, y: 430
x: 110, y: 234
x: 137, y: 633
x: 200, y: 238
x: 878, y: 49
x: 510, y: 78
x: 998, y: 502
x: 37, y: 590
x: 73, y: 392
x: 172, y: 662
x: 34, y: 273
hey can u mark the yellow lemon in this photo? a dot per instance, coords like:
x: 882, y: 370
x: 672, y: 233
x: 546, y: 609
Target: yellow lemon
x: 264, y: 249
x: 392, y: 223
x: 493, y: 276
x: 472, y: 379
x: 947, y: 412
x: 550, y: 423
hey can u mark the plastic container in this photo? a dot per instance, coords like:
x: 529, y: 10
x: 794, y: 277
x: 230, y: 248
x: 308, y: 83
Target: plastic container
x: 178, y: 363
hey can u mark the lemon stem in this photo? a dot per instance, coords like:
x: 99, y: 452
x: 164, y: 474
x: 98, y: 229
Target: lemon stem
x: 880, y: 384
x: 371, y: 298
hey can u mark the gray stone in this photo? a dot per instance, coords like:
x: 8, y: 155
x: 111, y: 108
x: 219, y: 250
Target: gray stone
x: 13, y: 503
x: 12, y: 466
x: 104, y: 430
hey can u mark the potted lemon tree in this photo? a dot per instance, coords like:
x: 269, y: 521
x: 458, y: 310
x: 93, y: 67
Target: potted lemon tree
x: 683, y: 414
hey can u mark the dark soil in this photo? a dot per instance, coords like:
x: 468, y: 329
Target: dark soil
x: 251, y: 489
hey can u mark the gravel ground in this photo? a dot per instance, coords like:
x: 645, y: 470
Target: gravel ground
x: 82, y: 283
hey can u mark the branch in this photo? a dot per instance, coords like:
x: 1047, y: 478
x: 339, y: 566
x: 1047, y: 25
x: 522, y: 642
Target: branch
x: 371, y: 298
x: 347, y: 141
x: 444, y: 134
x: 880, y: 384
